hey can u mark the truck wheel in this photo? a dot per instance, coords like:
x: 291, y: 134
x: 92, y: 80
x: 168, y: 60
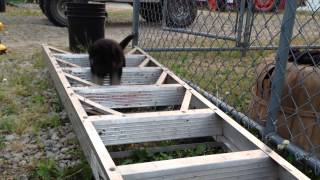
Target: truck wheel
x: 181, y: 13
x: 55, y: 11
x: 151, y: 12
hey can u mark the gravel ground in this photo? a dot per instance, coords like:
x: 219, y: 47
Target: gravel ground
x: 26, y: 28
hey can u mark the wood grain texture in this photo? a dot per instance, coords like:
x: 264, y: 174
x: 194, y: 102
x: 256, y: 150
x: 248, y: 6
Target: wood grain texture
x: 146, y: 127
x: 130, y: 76
x: 98, y: 157
x: 134, y: 96
x: 254, y: 164
x: 83, y: 59
x: 294, y: 173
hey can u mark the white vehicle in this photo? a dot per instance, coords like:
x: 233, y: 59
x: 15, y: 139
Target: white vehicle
x: 180, y: 13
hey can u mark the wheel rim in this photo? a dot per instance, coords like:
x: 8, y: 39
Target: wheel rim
x: 264, y: 5
x: 62, y: 8
x: 181, y: 10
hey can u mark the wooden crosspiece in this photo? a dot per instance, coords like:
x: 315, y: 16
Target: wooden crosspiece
x: 101, y: 117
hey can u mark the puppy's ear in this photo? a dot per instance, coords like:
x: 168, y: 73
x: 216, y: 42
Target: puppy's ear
x: 126, y: 41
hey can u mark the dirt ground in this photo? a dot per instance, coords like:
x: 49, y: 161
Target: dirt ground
x: 26, y: 29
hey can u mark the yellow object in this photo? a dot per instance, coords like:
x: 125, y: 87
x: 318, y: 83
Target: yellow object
x: 1, y: 26
x: 3, y: 48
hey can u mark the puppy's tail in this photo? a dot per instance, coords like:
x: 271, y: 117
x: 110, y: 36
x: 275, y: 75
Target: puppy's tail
x: 126, y: 41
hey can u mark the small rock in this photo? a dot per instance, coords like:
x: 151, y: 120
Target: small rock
x: 70, y: 136
x: 58, y: 145
x: 23, y: 177
x: 62, y: 165
x: 10, y: 137
x: 68, y: 156
x: 26, y: 140
x: 7, y: 156
x: 65, y: 149
x: 55, y: 149
x: 50, y: 154
x: 32, y: 146
x: 38, y: 155
x: 22, y: 163
x: 54, y: 136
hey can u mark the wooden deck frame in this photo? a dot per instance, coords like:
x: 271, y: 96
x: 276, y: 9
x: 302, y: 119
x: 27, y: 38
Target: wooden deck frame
x: 255, y: 156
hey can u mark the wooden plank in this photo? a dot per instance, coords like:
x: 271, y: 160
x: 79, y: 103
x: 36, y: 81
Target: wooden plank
x: 130, y: 76
x: 171, y: 148
x: 134, y: 96
x: 98, y: 107
x: 294, y: 172
x: 250, y: 164
x: 230, y: 145
x: 162, y: 78
x: 134, y: 60
x: 157, y: 126
x: 56, y: 50
x: 98, y: 157
x: 186, y: 101
x: 79, y: 80
x: 83, y: 59
x: 144, y: 63
x: 69, y: 64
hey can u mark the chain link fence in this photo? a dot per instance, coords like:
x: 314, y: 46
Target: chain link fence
x: 258, y: 60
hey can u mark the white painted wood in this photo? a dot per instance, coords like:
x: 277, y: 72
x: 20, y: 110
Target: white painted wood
x: 146, y: 127
x: 66, y: 63
x: 98, y: 157
x: 144, y: 63
x: 79, y: 80
x: 83, y: 59
x: 98, y: 107
x: 162, y: 78
x: 186, y: 101
x: 254, y: 163
x: 56, y: 50
x: 134, y: 96
x: 130, y: 76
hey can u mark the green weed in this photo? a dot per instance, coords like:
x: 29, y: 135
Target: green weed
x: 2, y: 144
x: 47, y: 169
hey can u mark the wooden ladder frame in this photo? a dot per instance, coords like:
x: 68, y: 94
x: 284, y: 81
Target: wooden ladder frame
x: 249, y: 157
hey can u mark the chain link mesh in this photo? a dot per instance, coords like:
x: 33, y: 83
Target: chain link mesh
x: 229, y: 49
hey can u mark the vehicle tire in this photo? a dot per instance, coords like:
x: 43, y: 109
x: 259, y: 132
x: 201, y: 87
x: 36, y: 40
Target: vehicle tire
x: 266, y: 5
x: 151, y: 12
x: 181, y: 13
x: 55, y: 11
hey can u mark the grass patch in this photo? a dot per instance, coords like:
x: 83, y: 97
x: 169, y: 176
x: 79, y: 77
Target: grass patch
x: 22, y: 12
x: 28, y: 100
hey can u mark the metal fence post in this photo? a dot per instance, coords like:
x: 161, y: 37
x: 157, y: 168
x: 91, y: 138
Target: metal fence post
x: 239, y: 23
x: 281, y: 63
x: 135, y: 22
x: 248, y: 28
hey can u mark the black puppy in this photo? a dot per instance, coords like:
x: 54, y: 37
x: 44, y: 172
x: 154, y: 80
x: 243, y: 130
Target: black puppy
x: 107, y: 58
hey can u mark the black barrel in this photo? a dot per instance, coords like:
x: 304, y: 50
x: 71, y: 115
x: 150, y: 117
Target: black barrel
x: 2, y: 5
x: 86, y: 24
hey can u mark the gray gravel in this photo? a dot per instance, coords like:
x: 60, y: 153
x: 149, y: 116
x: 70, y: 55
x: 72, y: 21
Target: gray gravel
x: 23, y: 151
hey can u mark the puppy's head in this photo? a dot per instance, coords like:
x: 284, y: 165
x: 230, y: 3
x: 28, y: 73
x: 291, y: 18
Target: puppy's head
x: 106, y: 58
